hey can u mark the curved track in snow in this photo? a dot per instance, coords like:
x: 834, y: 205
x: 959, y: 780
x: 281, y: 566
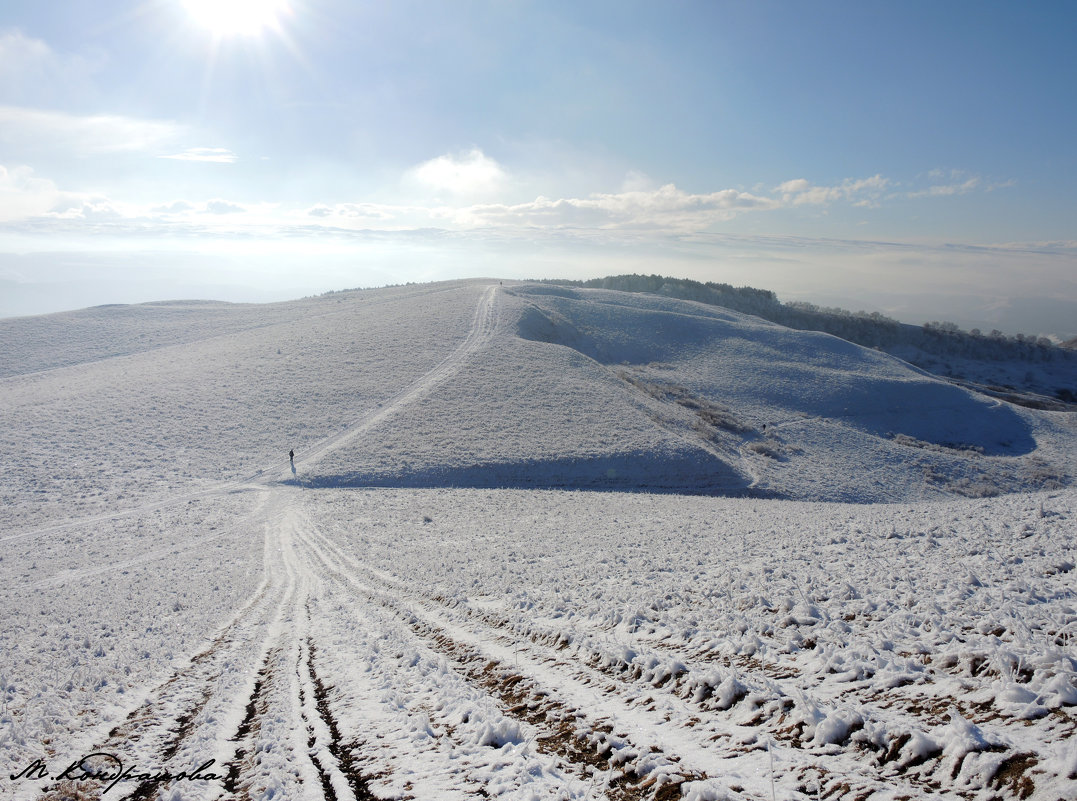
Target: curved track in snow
x: 483, y: 325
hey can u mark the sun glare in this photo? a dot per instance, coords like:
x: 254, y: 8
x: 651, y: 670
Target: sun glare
x: 236, y: 17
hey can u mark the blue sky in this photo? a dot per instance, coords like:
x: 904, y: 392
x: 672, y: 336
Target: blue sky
x: 915, y: 158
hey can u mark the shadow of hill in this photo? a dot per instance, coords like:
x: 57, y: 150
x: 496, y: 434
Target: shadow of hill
x: 619, y: 473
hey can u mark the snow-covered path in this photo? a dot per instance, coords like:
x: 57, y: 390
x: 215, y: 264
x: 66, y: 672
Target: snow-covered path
x: 354, y: 669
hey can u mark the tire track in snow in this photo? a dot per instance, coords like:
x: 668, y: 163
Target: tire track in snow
x: 483, y: 325
x: 639, y: 772
x: 218, y: 705
x: 201, y: 693
x: 768, y: 708
x: 289, y: 687
x: 775, y: 714
x: 248, y: 729
x: 532, y: 700
x: 332, y: 757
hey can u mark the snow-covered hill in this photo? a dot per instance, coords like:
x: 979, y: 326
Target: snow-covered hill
x: 598, y: 389
x: 559, y: 388
x: 425, y: 606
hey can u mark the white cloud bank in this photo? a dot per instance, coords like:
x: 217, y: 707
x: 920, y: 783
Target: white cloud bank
x: 468, y: 178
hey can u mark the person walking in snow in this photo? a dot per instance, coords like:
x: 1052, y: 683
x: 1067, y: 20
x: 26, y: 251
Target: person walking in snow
x: 291, y: 456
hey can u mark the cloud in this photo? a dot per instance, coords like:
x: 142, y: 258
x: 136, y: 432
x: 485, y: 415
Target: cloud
x: 89, y: 210
x: 37, y: 129
x: 353, y: 216
x: 176, y: 207
x: 653, y: 212
x: 186, y: 209
x: 635, y: 181
x: 942, y: 190
x: 467, y: 174
x: 365, y: 211
x: 1064, y: 246
x: 957, y: 182
x: 25, y: 197
x: 864, y: 192
x: 665, y: 207
x: 215, y: 155
x: 665, y: 210
x: 22, y: 194
x: 794, y: 187
x: 20, y: 54
x: 223, y: 207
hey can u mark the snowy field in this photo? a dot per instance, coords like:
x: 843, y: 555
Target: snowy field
x: 537, y: 544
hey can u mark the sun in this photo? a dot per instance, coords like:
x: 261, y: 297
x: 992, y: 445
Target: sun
x: 236, y: 17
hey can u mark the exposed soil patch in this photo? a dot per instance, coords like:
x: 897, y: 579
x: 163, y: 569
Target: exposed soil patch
x: 342, y: 752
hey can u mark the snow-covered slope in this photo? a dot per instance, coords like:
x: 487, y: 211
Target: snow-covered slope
x: 385, y: 619
x: 599, y: 389
x: 103, y: 433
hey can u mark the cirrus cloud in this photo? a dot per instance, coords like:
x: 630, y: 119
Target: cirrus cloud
x: 665, y: 207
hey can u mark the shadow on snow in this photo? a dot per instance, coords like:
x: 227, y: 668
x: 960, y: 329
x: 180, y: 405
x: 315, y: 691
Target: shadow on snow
x: 623, y: 473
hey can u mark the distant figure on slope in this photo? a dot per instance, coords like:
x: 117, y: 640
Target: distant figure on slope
x: 291, y: 456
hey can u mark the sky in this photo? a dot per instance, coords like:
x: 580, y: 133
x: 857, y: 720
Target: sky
x: 915, y: 158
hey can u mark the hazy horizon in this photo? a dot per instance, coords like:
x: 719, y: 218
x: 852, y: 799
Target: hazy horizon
x: 164, y: 279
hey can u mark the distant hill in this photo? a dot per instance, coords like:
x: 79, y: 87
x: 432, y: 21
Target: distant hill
x: 1028, y: 369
